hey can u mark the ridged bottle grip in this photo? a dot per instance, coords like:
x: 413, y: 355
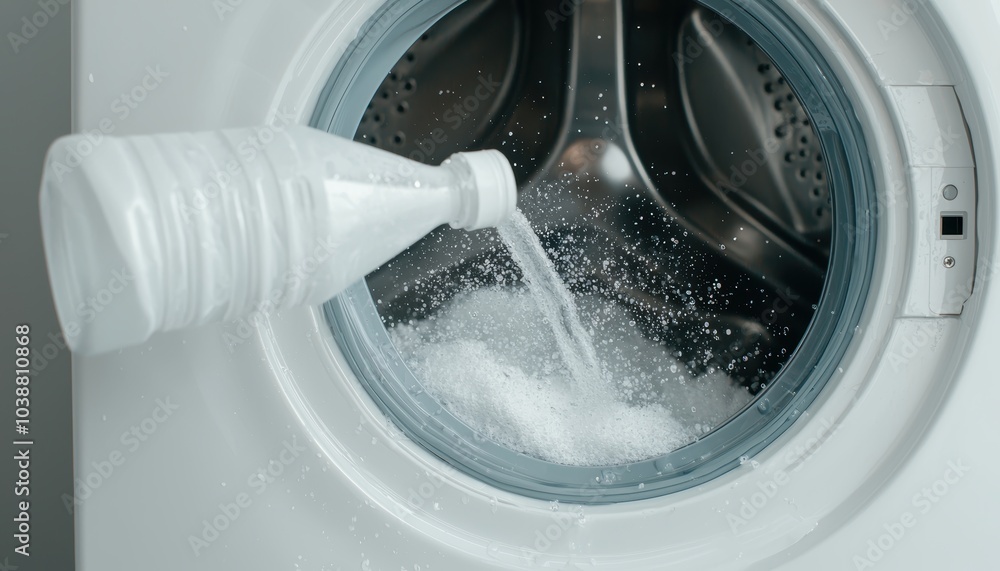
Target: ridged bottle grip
x: 214, y: 226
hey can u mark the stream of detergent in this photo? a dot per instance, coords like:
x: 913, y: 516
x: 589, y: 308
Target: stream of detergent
x: 554, y: 300
x: 564, y: 377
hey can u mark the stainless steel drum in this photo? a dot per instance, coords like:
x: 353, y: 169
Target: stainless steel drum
x: 672, y: 148
x: 694, y: 164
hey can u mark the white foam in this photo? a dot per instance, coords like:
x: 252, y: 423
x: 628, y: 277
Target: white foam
x: 494, y: 363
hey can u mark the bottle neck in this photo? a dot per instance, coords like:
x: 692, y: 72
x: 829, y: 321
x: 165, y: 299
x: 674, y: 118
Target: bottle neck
x: 464, y: 199
x: 486, y: 189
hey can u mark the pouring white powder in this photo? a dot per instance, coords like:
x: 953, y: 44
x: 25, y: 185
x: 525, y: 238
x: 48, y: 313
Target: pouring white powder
x: 493, y: 362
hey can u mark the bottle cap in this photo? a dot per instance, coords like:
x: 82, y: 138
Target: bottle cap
x: 494, y: 196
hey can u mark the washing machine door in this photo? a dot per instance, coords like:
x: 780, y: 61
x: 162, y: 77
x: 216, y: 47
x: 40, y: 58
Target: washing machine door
x: 684, y: 181
x: 766, y: 214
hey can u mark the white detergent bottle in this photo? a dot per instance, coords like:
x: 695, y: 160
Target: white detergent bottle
x: 154, y: 233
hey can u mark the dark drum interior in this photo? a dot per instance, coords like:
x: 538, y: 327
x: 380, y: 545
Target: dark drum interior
x: 660, y: 156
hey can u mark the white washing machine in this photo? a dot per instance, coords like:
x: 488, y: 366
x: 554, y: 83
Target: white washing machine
x: 828, y: 164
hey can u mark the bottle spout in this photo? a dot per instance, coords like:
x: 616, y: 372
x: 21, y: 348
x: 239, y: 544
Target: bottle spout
x: 492, y: 197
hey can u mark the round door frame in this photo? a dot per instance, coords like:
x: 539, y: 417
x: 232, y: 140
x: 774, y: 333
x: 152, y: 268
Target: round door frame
x: 901, y: 362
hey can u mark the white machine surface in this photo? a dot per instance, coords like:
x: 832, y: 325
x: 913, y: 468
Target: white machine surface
x: 253, y: 445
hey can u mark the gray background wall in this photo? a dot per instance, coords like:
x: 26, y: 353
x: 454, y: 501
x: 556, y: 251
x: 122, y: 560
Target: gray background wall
x: 34, y: 110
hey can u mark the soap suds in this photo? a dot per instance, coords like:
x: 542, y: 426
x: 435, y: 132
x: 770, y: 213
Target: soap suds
x: 490, y: 358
